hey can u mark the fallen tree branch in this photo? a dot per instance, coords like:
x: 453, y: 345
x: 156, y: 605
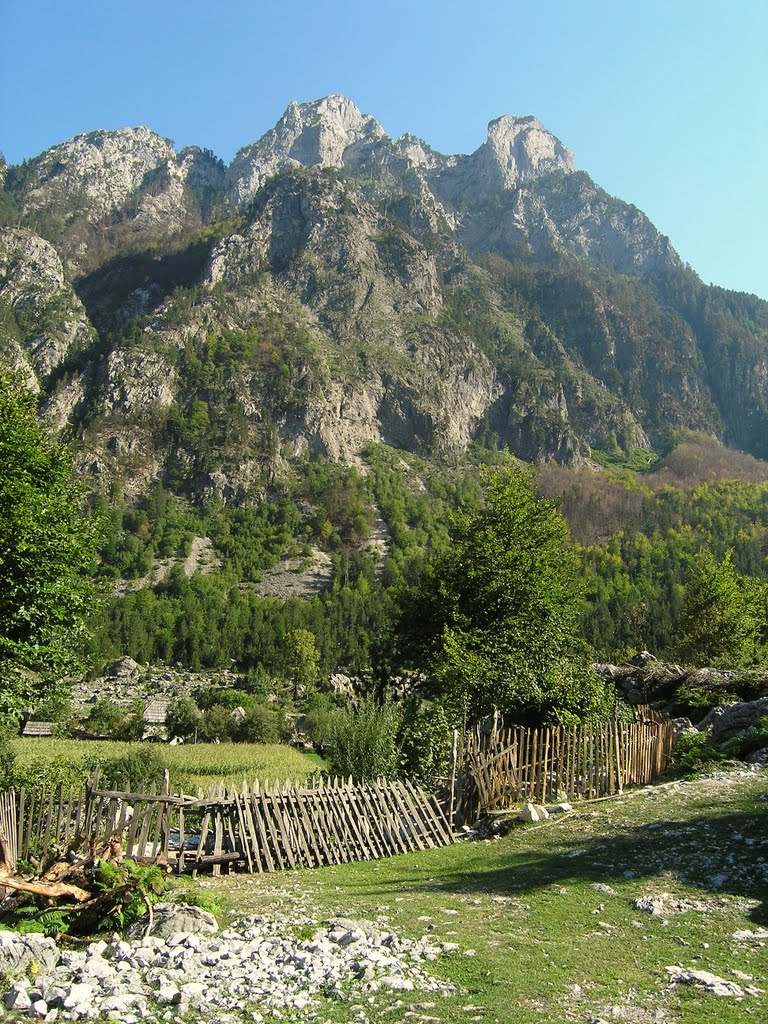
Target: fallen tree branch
x: 53, y: 891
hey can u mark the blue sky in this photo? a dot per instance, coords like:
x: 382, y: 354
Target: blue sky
x: 664, y: 102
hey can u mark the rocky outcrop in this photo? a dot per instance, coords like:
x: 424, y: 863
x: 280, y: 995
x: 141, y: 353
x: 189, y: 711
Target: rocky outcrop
x: 47, y: 320
x: 95, y: 174
x: 329, y: 132
x: 399, y: 295
x: 518, y: 149
x: 108, y: 188
x: 724, y: 723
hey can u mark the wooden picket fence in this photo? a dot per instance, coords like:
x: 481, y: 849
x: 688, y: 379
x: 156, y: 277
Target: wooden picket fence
x: 496, y: 770
x: 253, y: 828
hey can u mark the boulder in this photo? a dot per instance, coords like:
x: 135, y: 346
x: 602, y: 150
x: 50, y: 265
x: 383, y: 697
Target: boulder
x: 172, y: 918
x: 19, y: 952
x: 737, y: 718
x: 533, y: 812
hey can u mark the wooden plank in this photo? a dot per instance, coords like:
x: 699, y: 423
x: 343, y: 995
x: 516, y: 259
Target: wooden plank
x: 256, y: 809
x: 406, y: 840
x: 218, y: 837
x: 358, y: 841
x: 303, y: 841
x: 229, y: 823
x: 424, y: 833
x: 245, y: 839
x: 362, y: 796
x: 250, y: 825
x: 180, y: 856
x: 316, y: 844
x: 48, y: 823
x: 272, y: 826
x: 284, y: 826
x: 146, y: 821
x: 80, y: 815
x: 433, y: 816
x: 335, y: 824
x: 23, y: 842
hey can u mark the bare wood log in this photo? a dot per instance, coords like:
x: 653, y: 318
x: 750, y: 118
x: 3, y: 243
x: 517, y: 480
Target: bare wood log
x: 52, y: 891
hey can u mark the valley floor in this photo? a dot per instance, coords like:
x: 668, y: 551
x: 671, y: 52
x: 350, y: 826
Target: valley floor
x: 597, y: 916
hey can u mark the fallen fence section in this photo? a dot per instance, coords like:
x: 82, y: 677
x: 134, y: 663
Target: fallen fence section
x: 254, y: 828
x: 494, y: 771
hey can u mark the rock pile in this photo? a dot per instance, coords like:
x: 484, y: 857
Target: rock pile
x: 257, y: 964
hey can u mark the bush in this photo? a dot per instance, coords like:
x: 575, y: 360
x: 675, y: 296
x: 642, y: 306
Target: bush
x: 182, y: 718
x: 693, y: 754
x: 261, y: 725
x: 7, y: 762
x: 320, y: 719
x: 142, y: 765
x: 426, y: 741
x: 113, y: 722
x: 748, y: 742
x: 365, y: 742
x: 216, y: 724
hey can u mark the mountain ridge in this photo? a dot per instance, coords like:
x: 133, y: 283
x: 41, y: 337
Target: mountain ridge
x: 334, y: 286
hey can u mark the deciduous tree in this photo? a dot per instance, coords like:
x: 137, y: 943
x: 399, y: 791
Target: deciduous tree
x: 496, y: 618
x: 47, y: 554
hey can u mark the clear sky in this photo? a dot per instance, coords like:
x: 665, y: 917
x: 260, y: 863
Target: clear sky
x: 664, y: 102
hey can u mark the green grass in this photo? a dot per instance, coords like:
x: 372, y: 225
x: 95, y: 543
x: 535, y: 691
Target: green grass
x: 190, y: 765
x: 526, y: 905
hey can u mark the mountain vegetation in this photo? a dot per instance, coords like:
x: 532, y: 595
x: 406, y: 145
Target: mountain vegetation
x: 325, y: 364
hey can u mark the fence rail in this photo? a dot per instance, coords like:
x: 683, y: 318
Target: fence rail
x: 494, y: 771
x: 254, y: 828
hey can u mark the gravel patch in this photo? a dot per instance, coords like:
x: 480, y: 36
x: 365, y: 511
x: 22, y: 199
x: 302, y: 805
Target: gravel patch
x: 257, y: 969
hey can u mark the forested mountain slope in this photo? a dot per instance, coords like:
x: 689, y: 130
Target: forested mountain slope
x: 315, y: 347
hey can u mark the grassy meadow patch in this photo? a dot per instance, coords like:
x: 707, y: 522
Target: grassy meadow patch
x: 190, y: 765
x: 544, y: 917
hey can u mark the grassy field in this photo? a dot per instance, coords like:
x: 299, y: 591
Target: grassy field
x: 190, y: 765
x: 537, y: 941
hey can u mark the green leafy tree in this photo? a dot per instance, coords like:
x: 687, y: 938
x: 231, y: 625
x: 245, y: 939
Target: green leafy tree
x: 302, y: 657
x: 718, y: 625
x: 47, y: 554
x: 182, y: 718
x: 494, y: 622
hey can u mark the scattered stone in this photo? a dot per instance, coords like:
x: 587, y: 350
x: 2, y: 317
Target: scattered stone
x: 664, y: 904
x: 171, y: 919
x: 256, y: 960
x: 533, y: 812
x: 758, y: 935
x: 711, y: 983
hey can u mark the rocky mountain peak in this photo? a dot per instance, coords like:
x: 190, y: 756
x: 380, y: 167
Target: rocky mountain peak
x: 520, y: 148
x: 329, y: 132
x: 96, y: 172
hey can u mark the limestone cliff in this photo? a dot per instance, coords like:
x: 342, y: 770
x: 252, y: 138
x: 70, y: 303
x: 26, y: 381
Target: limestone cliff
x: 208, y: 326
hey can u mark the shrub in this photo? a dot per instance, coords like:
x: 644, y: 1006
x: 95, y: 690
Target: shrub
x: 261, y: 725
x: 426, y: 741
x: 142, y: 765
x: 693, y: 754
x: 182, y: 718
x: 7, y: 762
x: 365, y: 742
x: 216, y: 723
x: 320, y: 719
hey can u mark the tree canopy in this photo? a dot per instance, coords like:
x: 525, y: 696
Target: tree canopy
x: 721, y: 621
x: 47, y: 553
x: 495, y: 622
